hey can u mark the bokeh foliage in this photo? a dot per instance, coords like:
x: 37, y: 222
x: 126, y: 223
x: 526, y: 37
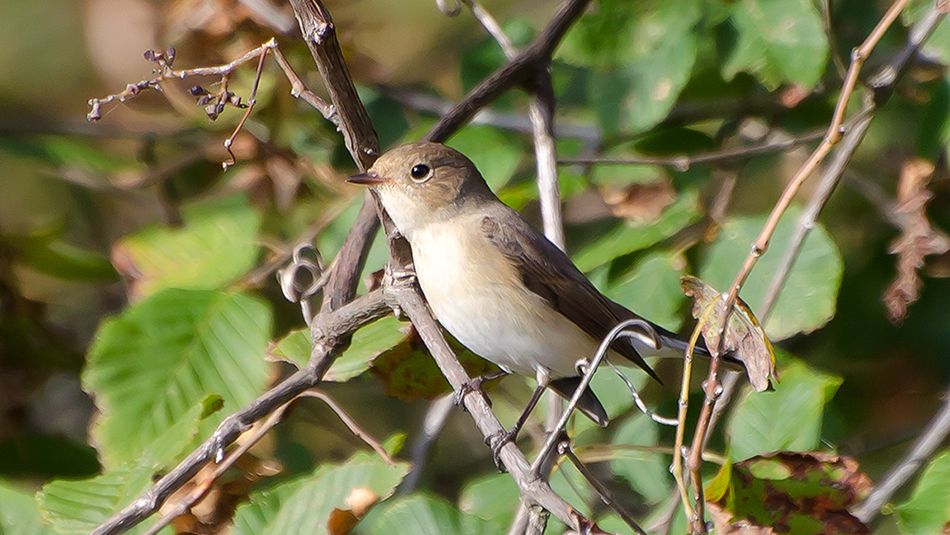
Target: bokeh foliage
x: 136, y: 275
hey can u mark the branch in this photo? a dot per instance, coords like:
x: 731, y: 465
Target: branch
x: 882, y: 83
x: 515, y: 72
x: 712, y: 385
x: 684, y: 162
x: 926, y: 445
x: 319, y: 32
x: 328, y: 328
x: 532, y: 487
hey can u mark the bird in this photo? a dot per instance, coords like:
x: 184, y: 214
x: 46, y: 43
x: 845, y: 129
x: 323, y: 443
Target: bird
x: 497, y: 284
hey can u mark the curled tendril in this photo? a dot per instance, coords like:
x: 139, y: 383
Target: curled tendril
x: 303, y: 278
x: 452, y: 11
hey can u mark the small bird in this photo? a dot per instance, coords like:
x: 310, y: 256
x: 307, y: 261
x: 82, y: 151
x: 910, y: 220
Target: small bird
x: 494, y: 282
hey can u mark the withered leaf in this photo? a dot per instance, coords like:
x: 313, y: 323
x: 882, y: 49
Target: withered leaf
x: 745, y: 338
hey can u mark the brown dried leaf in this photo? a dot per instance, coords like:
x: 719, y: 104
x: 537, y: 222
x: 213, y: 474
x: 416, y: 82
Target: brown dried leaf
x: 359, y: 501
x: 745, y: 338
x: 640, y: 202
x: 917, y: 240
x: 769, y: 493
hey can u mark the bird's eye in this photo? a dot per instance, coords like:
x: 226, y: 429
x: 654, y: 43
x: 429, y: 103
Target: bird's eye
x: 419, y: 171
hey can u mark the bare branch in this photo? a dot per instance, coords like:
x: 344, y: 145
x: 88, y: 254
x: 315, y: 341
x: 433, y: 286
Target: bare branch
x: 685, y: 162
x: 515, y: 72
x: 925, y: 446
x: 318, y: 31
x: 532, y: 488
x: 328, y: 328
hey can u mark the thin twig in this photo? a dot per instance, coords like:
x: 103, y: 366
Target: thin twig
x: 937, y: 430
x: 712, y: 385
x: 806, y: 221
x: 684, y: 162
x: 565, y: 449
x: 351, y: 424
x: 882, y: 83
x: 515, y: 72
x: 201, y: 489
x: 330, y: 327
x: 514, y: 122
x: 432, y: 424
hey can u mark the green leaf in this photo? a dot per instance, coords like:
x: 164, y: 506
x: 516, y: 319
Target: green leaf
x: 787, y: 419
x: 216, y: 245
x: 312, y: 503
x: 928, y: 509
x: 807, y: 301
x: 779, y: 41
x: 164, y: 355
x: 423, y: 513
x: 652, y: 289
x: 494, y: 153
x: 367, y: 344
x: 663, y: 51
x: 262, y: 507
x: 648, y: 473
x: 77, y: 507
x: 492, y: 497
x: 631, y: 236
x: 19, y: 514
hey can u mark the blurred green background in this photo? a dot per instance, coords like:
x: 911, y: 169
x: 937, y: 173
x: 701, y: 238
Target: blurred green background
x: 96, y: 218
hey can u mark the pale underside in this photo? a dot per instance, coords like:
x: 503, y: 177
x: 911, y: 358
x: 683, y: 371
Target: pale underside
x: 477, y: 295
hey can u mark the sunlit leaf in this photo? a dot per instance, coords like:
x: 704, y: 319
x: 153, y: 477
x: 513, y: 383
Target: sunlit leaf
x: 927, y: 511
x: 163, y: 355
x: 779, y: 41
x: 19, y: 514
x: 78, y: 506
x: 493, y: 497
x: 367, y: 343
x: 807, y: 300
x: 787, y: 419
x: 217, y: 244
x: 422, y: 513
x: 332, y: 487
x: 652, y: 289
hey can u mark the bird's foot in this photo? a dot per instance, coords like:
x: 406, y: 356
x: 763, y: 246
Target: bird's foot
x: 496, y: 441
x: 474, y: 385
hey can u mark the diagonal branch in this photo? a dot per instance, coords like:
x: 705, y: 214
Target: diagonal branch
x: 516, y: 72
x: 329, y: 329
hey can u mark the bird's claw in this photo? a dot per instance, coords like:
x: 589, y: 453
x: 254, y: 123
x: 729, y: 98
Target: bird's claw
x: 467, y: 388
x: 496, y: 441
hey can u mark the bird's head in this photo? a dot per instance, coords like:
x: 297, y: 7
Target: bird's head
x: 423, y: 182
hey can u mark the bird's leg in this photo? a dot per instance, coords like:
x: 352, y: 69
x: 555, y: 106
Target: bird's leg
x: 499, y: 439
x: 474, y: 385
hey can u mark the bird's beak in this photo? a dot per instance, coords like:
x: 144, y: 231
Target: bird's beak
x: 369, y: 178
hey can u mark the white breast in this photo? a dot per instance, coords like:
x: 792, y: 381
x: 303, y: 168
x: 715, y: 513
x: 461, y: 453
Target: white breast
x: 479, y: 297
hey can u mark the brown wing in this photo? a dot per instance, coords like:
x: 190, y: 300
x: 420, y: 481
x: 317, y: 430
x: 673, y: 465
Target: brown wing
x: 548, y: 272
